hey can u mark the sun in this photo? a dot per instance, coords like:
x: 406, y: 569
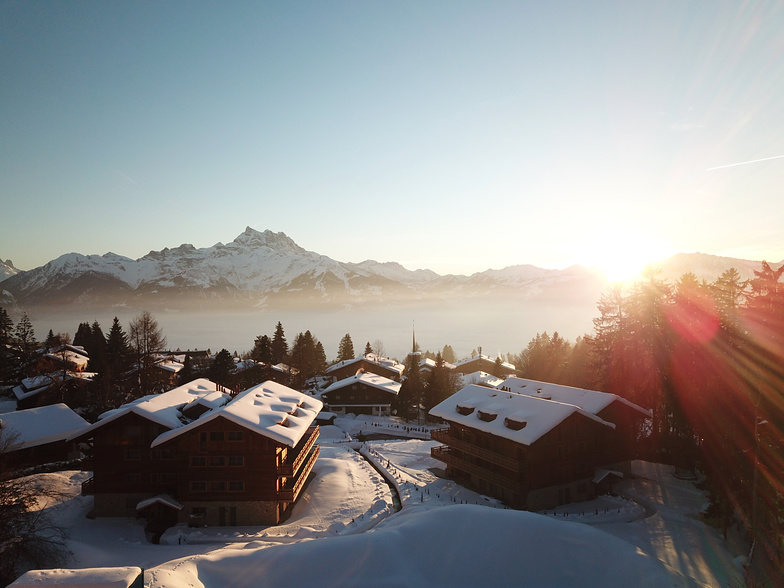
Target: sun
x: 622, y: 255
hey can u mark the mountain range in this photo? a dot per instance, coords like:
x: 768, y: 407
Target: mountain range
x: 268, y: 270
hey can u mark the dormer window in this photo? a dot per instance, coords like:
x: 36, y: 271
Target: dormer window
x: 514, y: 424
x: 486, y: 416
x: 464, y: 410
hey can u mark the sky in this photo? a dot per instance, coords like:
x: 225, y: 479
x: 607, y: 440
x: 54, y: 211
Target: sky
x: 454, y: 136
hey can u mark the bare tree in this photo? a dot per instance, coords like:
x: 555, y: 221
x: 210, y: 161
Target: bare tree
x: 28, y: 536
x: 378, y: 348
x: 146, y: 339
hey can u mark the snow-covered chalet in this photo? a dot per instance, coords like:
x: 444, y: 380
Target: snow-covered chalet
x: 547, y: 446
x: 362, y: 394
x: 198, y: 455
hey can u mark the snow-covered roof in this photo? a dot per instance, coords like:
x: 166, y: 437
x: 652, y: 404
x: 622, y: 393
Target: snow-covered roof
x: 165, y: 409
x: 507, y: 365
x: 430, y: 364
x: 164, y: 499
x: 481, y: 378
x: 82, y: 578
x: 372, y: 380
x: 591, y: 400
x: 270, y: 409
x: 385, y: 362
x: 32, y: 386
x: 71, y: 355
x: 38, y: 426
x: 517, y: 417
x: 170, y: 366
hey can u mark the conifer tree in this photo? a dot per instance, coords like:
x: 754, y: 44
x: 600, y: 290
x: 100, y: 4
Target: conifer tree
x: 368, y: 348
x: 280, y: 349
x: 345, y: 348
x: 6, y: 357
x: 262, y: 349
x: 222, y: 368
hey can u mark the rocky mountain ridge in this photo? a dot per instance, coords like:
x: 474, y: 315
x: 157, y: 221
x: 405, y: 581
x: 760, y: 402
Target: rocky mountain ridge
x: 268, y: 269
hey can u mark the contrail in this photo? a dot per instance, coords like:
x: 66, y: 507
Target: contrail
x: 745, y: 162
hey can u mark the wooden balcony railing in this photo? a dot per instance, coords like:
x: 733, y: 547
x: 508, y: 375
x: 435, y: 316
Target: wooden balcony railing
x: 444, y: 453
x: 292, y: 493
x: 290, y: 469
x: 444, y: 437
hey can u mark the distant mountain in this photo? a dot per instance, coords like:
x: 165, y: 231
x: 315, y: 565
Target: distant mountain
x: 708, y: 267
x: 267, y: 270
x: 7, y: 269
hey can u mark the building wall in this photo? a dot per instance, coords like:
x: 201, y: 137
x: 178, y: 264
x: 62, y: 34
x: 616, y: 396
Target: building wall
x: 208, y: 513
x: 359, y: 398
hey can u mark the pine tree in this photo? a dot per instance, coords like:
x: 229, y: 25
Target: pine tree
x: 345, y: 348
x: 280, y: 349
x: 222, y: 368
x: 7, y: 362
x: 368, y: 348
x: 448, y: 354
x: 83, y: 335
x: 262, y: 349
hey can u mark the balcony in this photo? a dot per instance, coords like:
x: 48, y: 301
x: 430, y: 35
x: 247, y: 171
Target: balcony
x: 508, y: 463
x: 444, y: 453
x: 290, y: 494
x: 290, y: 469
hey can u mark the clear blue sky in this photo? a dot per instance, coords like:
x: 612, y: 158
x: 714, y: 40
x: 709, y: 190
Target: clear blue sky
x: 455, y: 136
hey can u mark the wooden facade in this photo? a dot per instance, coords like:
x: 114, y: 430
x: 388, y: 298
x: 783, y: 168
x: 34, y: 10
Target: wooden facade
x: 531, y: 453
x: 362, y: 394
x: 556, y: 469
x: 483, y: 363
x: 215, y: 472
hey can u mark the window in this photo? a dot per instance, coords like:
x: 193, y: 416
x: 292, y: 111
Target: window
x: 217, y: 460
x: 236, y: 460
x: 132, y: 431
x: 198, y: 461
x: 216, y: 436
x: 198, y: 486
x: 217, y: 486
x: 168, y: 477
x: 168, y: 454
x: 235, y: 435
x: 133, y: 477
x: 236, y: 486
x: 132, y: 454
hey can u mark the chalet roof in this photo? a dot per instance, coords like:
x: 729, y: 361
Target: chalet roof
x: 170, y: 366
x: 592, y: 401
x: 38, y: 426
x: 121, y: 577
x: 72, y: 354
x: 372, y: 380
x: 165, y: 409
x: 517, y: 417
x: 379, y: 360
x: 430, y: 364
x: 481, y: 378
x: 32, y: 386
x: 270, y: 409
x: 467, y: 360
x: 164, y: 499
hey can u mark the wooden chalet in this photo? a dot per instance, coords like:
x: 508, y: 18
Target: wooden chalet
x: 38, y: 436
x: 362, y: 394
x: 530, y: 452
x: 369, y: 363
x: 484, y: 363
x: 197, y: 455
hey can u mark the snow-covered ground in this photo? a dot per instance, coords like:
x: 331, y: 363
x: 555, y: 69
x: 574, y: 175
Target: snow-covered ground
x: 345, y: 531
